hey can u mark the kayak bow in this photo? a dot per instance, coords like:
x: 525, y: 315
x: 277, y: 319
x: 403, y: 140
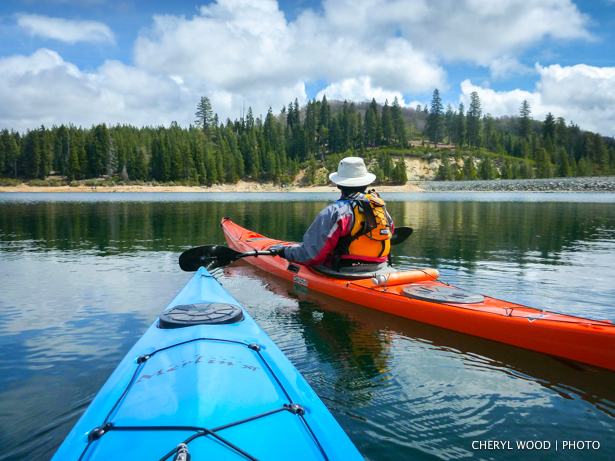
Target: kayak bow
x: 207, y: 381
x: 429, y: 301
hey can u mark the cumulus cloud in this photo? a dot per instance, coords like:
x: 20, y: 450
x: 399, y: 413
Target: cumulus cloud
x: 359, y: 89
x: 65, y: 30
x: 238, y: 45
x: 44, y: 89
x: 581, y: 93
x: 483, y: 30
x: 240, y: 52
x: 508, y: 66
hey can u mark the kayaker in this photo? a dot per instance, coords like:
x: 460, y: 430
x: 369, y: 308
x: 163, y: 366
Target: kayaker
x: 352, y: 232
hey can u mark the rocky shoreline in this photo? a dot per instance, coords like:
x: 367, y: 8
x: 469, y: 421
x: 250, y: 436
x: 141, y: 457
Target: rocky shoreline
x: 584, y: 184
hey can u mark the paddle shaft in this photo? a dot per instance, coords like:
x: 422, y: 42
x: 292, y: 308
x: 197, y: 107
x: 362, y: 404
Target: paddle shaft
x: 254, y: 253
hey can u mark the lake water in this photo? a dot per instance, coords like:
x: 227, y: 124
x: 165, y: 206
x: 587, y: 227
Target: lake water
x: 82, y: 276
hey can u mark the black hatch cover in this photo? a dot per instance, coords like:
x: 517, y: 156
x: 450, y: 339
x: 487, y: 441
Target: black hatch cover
x: 443, y: 294
x: 185, y: 315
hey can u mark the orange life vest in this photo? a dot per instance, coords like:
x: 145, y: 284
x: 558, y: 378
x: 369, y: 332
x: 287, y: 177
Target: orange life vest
x: 370, y: 235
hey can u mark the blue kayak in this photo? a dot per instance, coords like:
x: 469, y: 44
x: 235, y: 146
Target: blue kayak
x: 205, y: 382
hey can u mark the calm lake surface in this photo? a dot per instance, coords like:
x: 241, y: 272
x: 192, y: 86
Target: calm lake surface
x: 82, y: 276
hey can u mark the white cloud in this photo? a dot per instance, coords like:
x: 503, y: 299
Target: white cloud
x: 359, y: 89
x: 65, y: 30
x: 245, y: 52
x: 581, y: 93
x: 508, y: 66
x: 44, y: 89
x: 483, y: 30
x: 499, y: 103
x: 240, y: 45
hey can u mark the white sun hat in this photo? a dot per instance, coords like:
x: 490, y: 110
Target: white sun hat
x: 351, y: 172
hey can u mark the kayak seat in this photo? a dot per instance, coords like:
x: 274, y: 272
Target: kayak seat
x: 355, y: 273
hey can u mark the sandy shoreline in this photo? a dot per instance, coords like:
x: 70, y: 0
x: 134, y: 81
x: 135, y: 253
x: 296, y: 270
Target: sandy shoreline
x: 579, y: 184
x: 239, y: 187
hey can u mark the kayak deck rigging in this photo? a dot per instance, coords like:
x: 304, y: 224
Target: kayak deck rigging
x: 292, y: 407
x: 529, y: 313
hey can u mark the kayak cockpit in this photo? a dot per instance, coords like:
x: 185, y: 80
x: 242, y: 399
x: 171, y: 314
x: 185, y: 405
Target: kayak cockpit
x: 355, y: 272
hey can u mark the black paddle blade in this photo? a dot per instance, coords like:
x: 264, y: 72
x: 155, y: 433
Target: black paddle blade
x: 400, y: 234
x: 208, y: 256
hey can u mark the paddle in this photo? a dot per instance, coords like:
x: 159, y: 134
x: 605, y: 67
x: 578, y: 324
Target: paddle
x: 400, y: 234
x: 214, y: 256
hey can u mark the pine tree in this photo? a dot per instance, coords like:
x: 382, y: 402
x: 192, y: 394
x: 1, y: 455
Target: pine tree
x: 311, y: 171
x: 491, y: 137
x: 204, y: 112
x: 507, y: 170
x: 376, y: 135
x: 400, y: 174
x: 445, y: 171
x: 435, y: 123
x: 385, y: 163
x: 74, y: 171
x: 31, y: 154
x: 10, y: 154
x: 516, y: 169
x: 525, y: 121
x: 46, y: 148
x: 585, y: 167
x: 548, y: 127
x: 141, y: 164
x: 474, y: 120
x: 324, y: 123
x: 486, y: 168
x: 564, y: 170
x: 526, y: 171
x: 449, y: 123
x: 3, y: 148
x: 561, y: 133
x: 601, y: 156
x: 178, y: 173
x: 460, y: 127
x: 387, y: 123
x: 469, y: 169
x: 399, y: 127
x: 83, y: 159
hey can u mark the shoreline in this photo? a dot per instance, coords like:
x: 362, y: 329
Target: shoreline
x: 603, y: 184
x: 243, y: 187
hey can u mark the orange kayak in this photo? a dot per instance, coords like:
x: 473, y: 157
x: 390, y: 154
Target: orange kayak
x: 425, y: 299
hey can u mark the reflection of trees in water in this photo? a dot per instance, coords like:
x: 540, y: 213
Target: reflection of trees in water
x: 472, y: 231
x: 127, y: 226
x: 357, y: 354
x: 461, y: 231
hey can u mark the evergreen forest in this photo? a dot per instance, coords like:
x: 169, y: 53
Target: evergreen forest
x: 466, y: 143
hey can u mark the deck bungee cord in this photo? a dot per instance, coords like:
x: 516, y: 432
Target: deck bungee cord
x: 292, y: 407
x: 508, y: 311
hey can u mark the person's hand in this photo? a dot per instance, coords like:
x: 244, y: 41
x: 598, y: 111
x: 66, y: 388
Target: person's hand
x: 277, y: 250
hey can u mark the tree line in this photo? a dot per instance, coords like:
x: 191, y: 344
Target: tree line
x: 276, y: 147
x: 524, y: 148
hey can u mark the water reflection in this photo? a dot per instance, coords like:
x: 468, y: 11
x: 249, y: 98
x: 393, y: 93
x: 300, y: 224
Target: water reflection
x: 422, y: 389
x: 81, y: 281
x: 445, y: 231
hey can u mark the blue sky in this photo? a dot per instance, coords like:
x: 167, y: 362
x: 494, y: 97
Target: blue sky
x: 149, y: 62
